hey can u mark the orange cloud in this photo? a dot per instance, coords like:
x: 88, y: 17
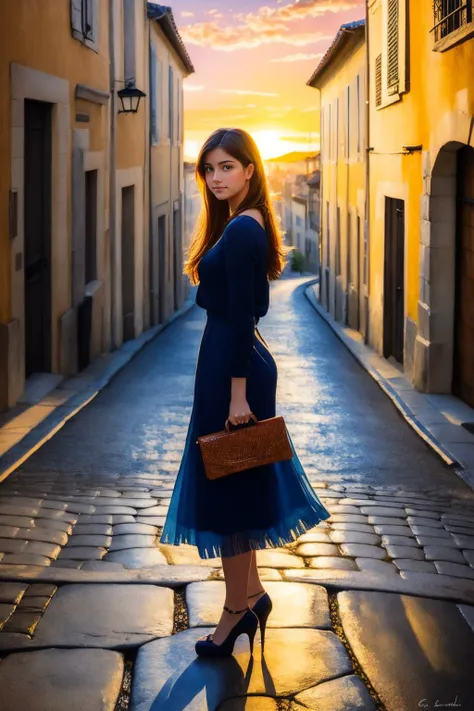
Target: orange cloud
x: 267, y: 25
x: 229, y: 39
x: 309, y: 8
x: 297, y: 57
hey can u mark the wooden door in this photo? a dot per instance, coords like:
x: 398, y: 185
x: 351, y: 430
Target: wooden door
x: 463, y: 373
x: 177, y: 272
x: 128, y: 262
x: 394, y: 275
x: 37, y: 221
x: 162, y: 262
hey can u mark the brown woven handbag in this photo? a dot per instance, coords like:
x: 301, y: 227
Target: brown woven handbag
x: 258, y: 442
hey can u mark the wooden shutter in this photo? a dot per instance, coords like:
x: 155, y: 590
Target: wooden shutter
x: 87, y: 18
x: 76, y: 15
x: 392, y: 47
x: 378, y: 80
x: 171, y: 103
x: 153, y: 117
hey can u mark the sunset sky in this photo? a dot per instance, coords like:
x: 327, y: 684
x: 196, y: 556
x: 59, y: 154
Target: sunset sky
x: 252, y: 61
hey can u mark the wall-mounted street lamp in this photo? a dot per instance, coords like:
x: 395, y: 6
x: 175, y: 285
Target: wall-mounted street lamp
x: 130, y: 97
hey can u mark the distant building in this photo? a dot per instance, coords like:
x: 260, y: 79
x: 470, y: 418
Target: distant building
x: 288, y: 177
x: 340, y: 78
x: 169, y: 65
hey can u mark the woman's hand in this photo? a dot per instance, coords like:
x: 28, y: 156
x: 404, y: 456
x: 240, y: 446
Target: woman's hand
x: 239, y: 411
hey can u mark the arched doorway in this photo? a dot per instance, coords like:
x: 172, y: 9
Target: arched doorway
x: 446, y: 307
x: 463, y: 353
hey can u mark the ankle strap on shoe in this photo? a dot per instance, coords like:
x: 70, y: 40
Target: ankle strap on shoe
x: 235, y: 612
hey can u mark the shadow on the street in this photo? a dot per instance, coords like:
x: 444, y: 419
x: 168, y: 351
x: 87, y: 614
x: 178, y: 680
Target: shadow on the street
x: 216, y: 679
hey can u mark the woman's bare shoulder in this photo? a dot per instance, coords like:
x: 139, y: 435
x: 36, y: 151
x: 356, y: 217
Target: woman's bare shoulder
x: 256, y: 214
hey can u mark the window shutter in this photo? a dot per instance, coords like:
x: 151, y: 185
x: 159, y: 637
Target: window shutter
x: 171, y: 103
x: 87, y: 18
x: 392, y: 47
x: 76, y: 15
x: 153, y: 122
x: 378, y: 80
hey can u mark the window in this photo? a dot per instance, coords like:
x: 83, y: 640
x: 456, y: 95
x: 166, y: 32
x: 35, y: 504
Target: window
x: 360, y: 113
x: 378, y: 80
x: 171, y: 104
x: 391, y: 66
x: 366, y: 255
x: 84, y: 22
x: 322, y: 135
x: 338, y: 242
x: 178, y: 112
x: 87, y: 19
x: 348, y: 118
x: 392, y: 47
x: 328, y: 233
x: 299, y: 221
x: 329, y: 134
x: 450, y: 15
x: 129, y: 64
x: 153, y: 97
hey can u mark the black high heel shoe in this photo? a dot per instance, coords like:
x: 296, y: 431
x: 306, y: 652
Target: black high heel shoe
x: 262, y: 609
x: 247, y: 625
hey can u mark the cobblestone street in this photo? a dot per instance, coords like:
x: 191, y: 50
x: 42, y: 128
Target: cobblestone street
x: 373, y: 609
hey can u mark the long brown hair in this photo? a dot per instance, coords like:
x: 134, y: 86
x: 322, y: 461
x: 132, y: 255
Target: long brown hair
x: 215, y: 214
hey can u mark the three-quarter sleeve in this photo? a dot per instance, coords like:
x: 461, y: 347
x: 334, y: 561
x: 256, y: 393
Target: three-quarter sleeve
x: 240, y: 250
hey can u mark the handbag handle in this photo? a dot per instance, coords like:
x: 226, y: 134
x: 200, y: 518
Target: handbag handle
x: 228, y: 424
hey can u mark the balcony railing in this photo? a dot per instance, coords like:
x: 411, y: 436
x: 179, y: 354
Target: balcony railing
x: 450, y: 15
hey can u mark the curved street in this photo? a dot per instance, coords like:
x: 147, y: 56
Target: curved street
x: 373, y: 609
x: 343, y: 426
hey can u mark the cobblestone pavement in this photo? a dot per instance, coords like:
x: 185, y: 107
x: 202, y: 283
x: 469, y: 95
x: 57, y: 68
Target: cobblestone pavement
x: 373, y: 609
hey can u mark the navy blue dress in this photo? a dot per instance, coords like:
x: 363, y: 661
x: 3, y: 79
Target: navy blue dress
x: 265, y: 506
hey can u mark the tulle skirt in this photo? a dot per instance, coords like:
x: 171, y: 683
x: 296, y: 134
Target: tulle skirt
x: 266, y: 506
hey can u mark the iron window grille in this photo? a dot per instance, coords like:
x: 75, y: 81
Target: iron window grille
x: 450, y: 15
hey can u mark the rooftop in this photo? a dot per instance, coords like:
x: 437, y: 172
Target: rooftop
x: 164, y: 16
x: 345, y: 36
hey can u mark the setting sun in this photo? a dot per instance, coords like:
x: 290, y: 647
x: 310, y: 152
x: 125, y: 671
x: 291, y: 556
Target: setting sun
x: 269, y: 143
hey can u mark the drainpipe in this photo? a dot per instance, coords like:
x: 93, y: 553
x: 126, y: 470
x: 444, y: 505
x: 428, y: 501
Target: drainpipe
x: 112, y: 181
x: 367, y: 166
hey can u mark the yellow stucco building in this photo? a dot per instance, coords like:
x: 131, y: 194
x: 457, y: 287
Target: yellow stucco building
x: 55, y: 91
x: 414, y: 265
x: 77, y: 186
x: 340, y: 78
x: 421, y: 191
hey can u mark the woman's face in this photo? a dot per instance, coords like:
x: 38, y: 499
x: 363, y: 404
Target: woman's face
x: 225, y: 176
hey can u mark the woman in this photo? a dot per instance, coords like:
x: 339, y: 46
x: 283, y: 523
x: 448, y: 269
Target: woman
x: 236, y: 249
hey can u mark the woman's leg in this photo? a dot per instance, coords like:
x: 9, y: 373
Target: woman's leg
x: 236, y: 575
x: 255, y: 584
